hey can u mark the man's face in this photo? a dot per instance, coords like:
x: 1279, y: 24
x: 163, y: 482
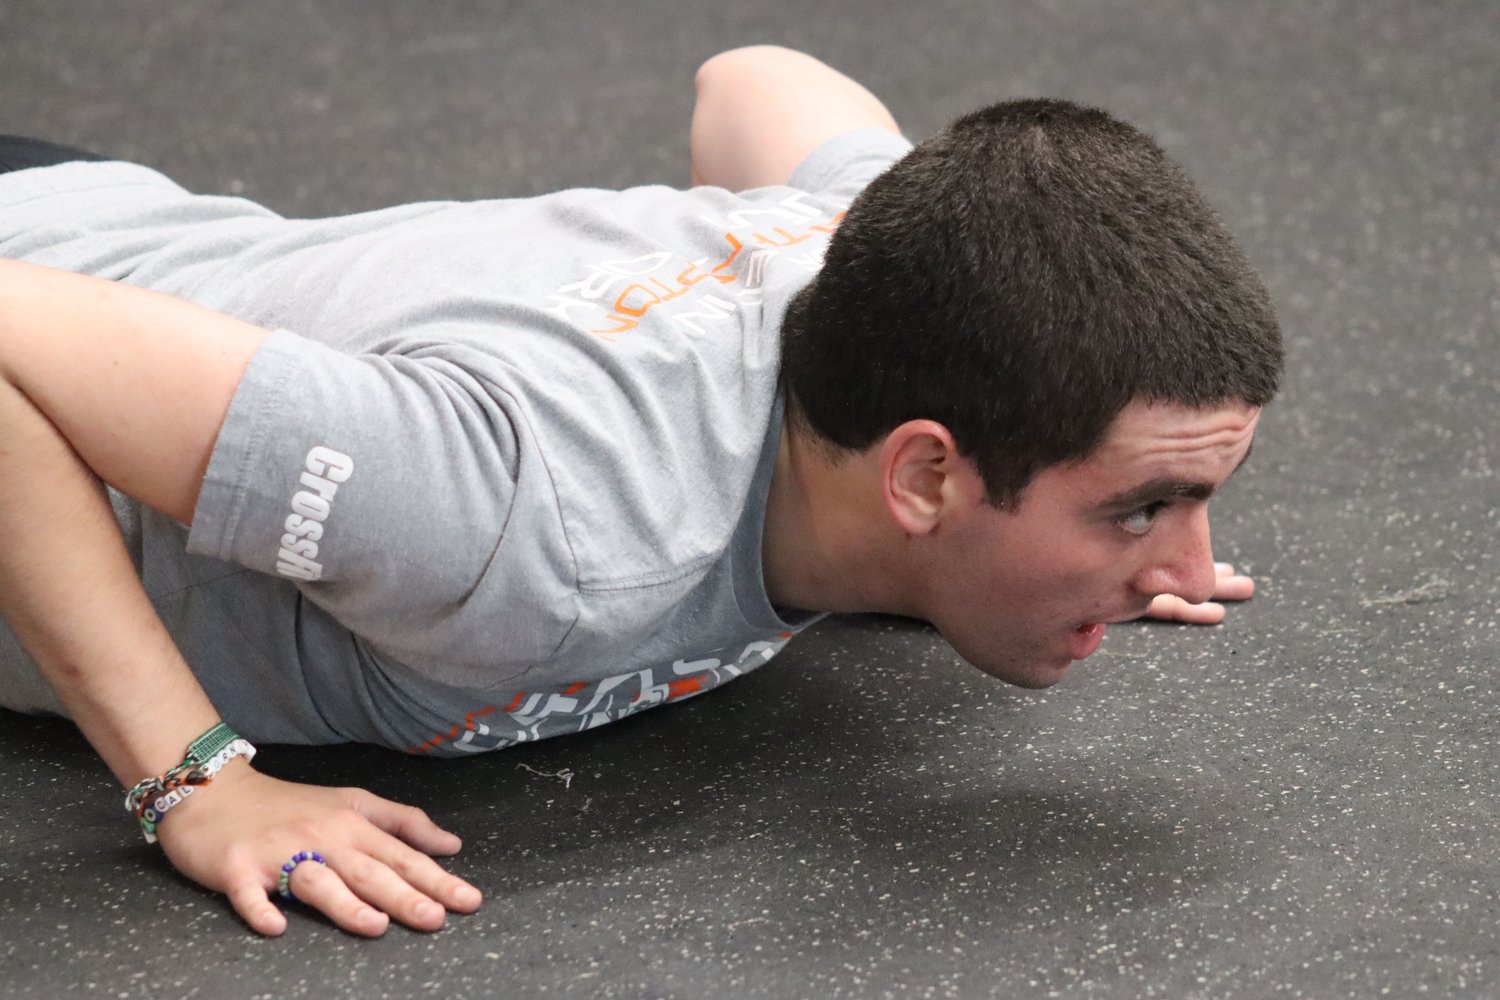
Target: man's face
x: 1023, y: 592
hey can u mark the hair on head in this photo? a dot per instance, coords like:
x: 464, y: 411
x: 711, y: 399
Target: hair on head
x: 1020, y: 278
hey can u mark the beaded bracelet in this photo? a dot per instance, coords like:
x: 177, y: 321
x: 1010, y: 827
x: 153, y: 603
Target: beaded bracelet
x: 206, y: 756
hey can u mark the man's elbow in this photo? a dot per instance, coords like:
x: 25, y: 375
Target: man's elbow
x: 747, y: 61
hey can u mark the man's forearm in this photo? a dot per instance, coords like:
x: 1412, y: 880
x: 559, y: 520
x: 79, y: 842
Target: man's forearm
x: 101, y: 380
x: 70, y: 593
x: 762, y: 109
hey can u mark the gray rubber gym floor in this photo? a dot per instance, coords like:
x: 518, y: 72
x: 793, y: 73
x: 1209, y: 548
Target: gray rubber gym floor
x: 1301, y: 802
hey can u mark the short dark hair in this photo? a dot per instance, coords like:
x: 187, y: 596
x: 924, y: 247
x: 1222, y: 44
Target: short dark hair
x: 1020, y: 278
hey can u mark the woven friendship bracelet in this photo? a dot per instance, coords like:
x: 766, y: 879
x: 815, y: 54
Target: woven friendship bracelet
x: 211, y: 742
x: 206, y: 757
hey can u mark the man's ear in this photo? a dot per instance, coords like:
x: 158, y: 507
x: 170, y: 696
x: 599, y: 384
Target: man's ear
x: 923, y: 477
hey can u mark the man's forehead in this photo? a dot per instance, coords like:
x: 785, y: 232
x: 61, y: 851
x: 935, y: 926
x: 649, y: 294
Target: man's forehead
x: 1160, y: 453
x: 1146, y: 430
x: 1156, y: 452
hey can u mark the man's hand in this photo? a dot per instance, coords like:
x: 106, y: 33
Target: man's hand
x: 1228, y: 587
x: 235, y: 834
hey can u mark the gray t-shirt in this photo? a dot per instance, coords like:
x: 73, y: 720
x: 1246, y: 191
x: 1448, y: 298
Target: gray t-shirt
x: 506, y: 475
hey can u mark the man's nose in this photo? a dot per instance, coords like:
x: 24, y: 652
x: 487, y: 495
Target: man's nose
x: 1183, y: 563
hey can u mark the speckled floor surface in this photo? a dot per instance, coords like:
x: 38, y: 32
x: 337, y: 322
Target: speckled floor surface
x: 1301, y: 803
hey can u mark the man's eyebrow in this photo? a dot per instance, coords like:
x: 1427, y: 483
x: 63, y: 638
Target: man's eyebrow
x: 1156, y: 491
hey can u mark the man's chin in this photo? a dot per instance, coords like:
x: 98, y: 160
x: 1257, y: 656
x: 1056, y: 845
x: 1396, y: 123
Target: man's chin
x: 1033, y: 675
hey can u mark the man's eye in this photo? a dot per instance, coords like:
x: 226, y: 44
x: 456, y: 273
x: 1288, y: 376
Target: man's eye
x: 1138, y: 522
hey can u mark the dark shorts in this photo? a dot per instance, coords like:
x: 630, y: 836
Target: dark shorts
x: 18, y: 153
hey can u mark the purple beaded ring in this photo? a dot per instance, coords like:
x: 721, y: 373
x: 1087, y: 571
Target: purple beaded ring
x: 283, y: 881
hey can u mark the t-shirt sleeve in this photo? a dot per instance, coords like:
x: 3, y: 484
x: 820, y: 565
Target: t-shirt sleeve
x: 384, y: 487
x: 847, y: 162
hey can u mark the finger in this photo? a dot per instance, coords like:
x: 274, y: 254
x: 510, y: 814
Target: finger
x: 407, y: 822
x: 423, y: 873
x: 373, y: 881
x: 1233, y: 587
x: 1170, y: 607
x: 248, y: 897
x: 323, y: 889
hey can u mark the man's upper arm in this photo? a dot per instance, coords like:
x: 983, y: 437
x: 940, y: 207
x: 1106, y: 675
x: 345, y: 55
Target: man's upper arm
x: 136, y: 381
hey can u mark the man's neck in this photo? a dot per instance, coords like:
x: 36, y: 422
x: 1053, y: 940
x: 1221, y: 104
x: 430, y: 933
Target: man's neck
x: 829, y: 543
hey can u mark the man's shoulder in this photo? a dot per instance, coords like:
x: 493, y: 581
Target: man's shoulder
x: 849, y: 161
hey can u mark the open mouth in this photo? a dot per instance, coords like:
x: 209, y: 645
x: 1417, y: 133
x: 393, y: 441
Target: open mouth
x: 1085, y: 639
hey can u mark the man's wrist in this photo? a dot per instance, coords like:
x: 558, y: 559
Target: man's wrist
x: 151, y: 799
